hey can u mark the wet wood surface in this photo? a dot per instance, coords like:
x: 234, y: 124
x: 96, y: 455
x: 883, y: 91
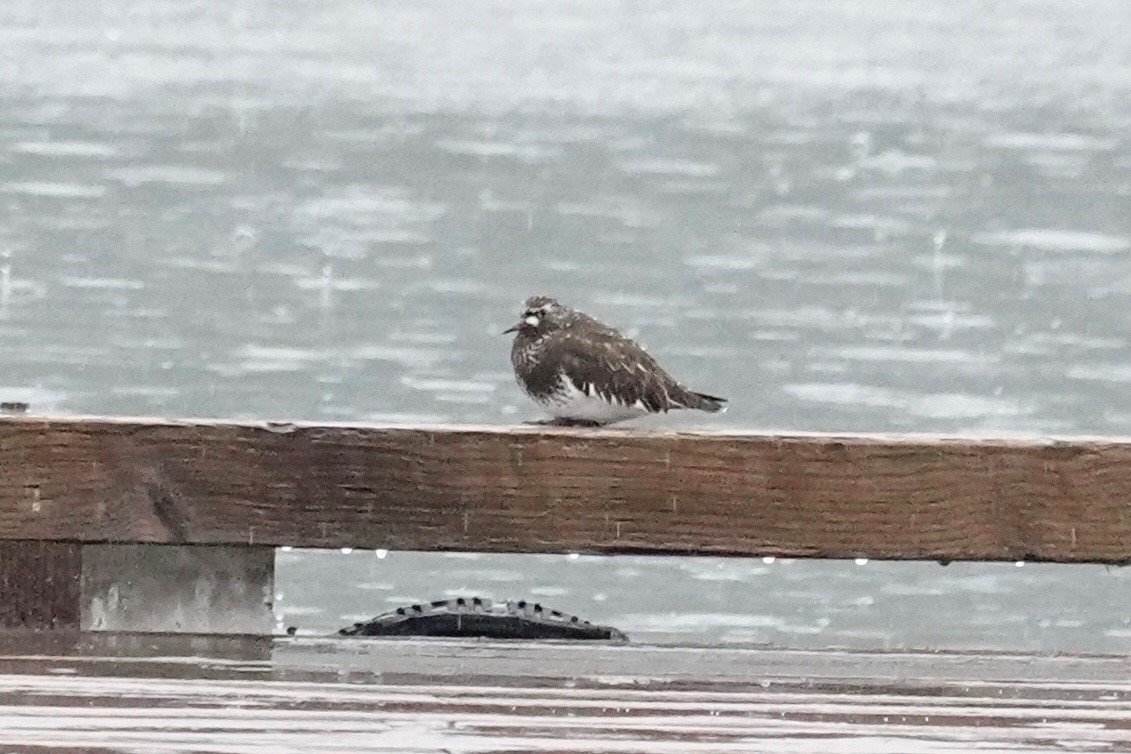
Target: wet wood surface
x: 530, y: 489
x: 117, y: 693
x: 40, y: 584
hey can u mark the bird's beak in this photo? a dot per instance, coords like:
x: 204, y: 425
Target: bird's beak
x: 515, y: 328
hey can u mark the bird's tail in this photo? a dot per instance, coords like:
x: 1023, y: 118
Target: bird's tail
x: 703, y: 402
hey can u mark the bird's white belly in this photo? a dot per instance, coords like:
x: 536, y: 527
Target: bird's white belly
x: 572, y: 403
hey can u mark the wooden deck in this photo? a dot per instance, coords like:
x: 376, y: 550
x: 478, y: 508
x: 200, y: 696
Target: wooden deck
x: 82, y: 500
x: 164, y: 693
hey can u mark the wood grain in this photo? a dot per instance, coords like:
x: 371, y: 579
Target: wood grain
x: 40, y: 585
x: 554, y: 490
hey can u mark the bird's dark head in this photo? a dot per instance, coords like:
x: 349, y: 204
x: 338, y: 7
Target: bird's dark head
x: 541, y: 314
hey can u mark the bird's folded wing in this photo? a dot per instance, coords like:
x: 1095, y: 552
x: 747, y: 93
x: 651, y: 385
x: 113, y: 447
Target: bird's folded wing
x: 617, y: 370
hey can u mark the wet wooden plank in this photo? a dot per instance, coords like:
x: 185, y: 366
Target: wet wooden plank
x: 40, y: 585
x: 551, y: 490
x: 532, y: 663
x: 263, y: 696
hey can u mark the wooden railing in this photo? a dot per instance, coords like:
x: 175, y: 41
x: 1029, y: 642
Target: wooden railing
x: 80, y: 497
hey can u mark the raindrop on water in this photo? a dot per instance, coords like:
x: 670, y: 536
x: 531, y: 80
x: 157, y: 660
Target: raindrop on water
x: 244, y: 239
x: 326, y: 291
x: 5, y: 282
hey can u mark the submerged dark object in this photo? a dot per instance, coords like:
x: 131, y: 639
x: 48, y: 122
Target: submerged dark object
x: 475, y: 616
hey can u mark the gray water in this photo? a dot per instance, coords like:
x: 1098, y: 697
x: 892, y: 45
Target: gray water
x: 849, y: 216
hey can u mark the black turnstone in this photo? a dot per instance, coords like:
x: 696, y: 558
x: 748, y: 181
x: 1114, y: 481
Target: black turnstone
x: 584, y: 372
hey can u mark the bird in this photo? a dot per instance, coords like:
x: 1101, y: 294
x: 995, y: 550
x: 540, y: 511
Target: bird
x: 586, y: 373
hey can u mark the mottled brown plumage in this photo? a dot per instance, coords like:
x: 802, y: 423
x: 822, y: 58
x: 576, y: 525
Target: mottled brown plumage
x: 583, y: 371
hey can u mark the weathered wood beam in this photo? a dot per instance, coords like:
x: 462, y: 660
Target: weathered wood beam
x: 553, y: 490
x: 39, y: 585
